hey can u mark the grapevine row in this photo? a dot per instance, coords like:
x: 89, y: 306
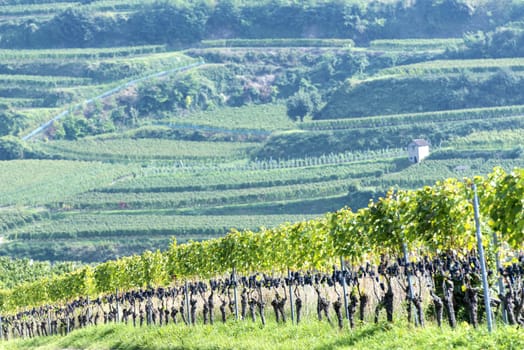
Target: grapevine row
x: 294, y: 42
x: 457, y: 66
x: 449, y: 282
x: 91, y: 53
x: 426, y: 117
x: 414, y: 44
x: 430, y: 221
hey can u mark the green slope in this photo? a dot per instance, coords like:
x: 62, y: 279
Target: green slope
x: 308, y: 335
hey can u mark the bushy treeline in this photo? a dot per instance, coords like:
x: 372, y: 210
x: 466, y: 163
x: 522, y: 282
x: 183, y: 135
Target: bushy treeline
x: 174, y: 22
x: 505, y: 41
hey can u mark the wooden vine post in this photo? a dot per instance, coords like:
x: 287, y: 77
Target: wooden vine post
x: 344, y: 289
x: 235, y: 295
x: 49, y: 322
x: 290, y: 287
x: 149, y: 311
x: 410, y: 284
x: 88, y: 314
x: 117, y: 318
x: 407, y: 269
x: 499, y: 279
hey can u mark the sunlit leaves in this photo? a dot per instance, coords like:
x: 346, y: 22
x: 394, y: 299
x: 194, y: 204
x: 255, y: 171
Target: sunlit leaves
x: 443, y: 216
x: 504, y: 203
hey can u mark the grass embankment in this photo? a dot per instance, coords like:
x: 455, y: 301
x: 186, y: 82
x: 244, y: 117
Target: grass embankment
x: 309, y: 335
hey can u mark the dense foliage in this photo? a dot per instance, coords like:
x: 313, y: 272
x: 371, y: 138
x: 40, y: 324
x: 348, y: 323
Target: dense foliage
x: 182, y: 23
x: 505, y: 41
x: 10, y: 121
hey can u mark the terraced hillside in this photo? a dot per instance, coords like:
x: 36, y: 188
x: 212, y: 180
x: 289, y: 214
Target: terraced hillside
x: 196, y: 174
x: 147, y: 139
x: 454, y: 84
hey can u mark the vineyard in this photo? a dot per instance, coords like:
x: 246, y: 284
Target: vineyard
x: 278, y: 43
x: 458, y: 66
x: 213, y: 174
x: 495, y: 139
x: 37, y: 182
x: 408, y: 250
x: 475, y: 114
x: 226, y: 161
x: 253, y: 118
x: 114, y: 150
x: 160, y: 178
x: 123, y: 225
x: 415, y: 44
x: 496, y: 82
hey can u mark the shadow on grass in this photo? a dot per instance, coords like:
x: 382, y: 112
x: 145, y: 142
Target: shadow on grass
x: 125, y: 346
x: 357, y: 336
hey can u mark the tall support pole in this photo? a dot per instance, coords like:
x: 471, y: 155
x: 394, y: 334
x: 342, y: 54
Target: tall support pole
x: 291, y: 301
x: 186, y: 296
x: 482, y: 260
x: 408, y: 275
x: 1, y: 329
x: 344, y: 289
x: 500, y: 283
x: 235, y: 295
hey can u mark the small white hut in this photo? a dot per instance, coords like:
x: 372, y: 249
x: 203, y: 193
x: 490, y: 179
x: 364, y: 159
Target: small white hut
x: 418, y: 149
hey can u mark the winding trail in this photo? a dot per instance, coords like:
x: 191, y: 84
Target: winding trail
x: 107, y: 94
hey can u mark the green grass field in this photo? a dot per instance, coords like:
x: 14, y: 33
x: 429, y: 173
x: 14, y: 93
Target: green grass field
x: 310, y: 334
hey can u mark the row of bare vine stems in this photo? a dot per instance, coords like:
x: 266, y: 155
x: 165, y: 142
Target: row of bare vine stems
x: 446, y: 285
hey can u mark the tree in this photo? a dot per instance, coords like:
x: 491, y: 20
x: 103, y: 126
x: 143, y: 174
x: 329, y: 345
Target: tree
x: 11, y: 148
x: 225, y: 19
x: 154, y: 98
x: 75, y: 127
x: 73, y: 27
x: 11, y: 122
x: 303, y: 103
x: 298, y: 106
x: 163, y: 22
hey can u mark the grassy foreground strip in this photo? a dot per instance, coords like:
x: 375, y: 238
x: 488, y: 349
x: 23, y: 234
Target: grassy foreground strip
x: 310, y: 334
